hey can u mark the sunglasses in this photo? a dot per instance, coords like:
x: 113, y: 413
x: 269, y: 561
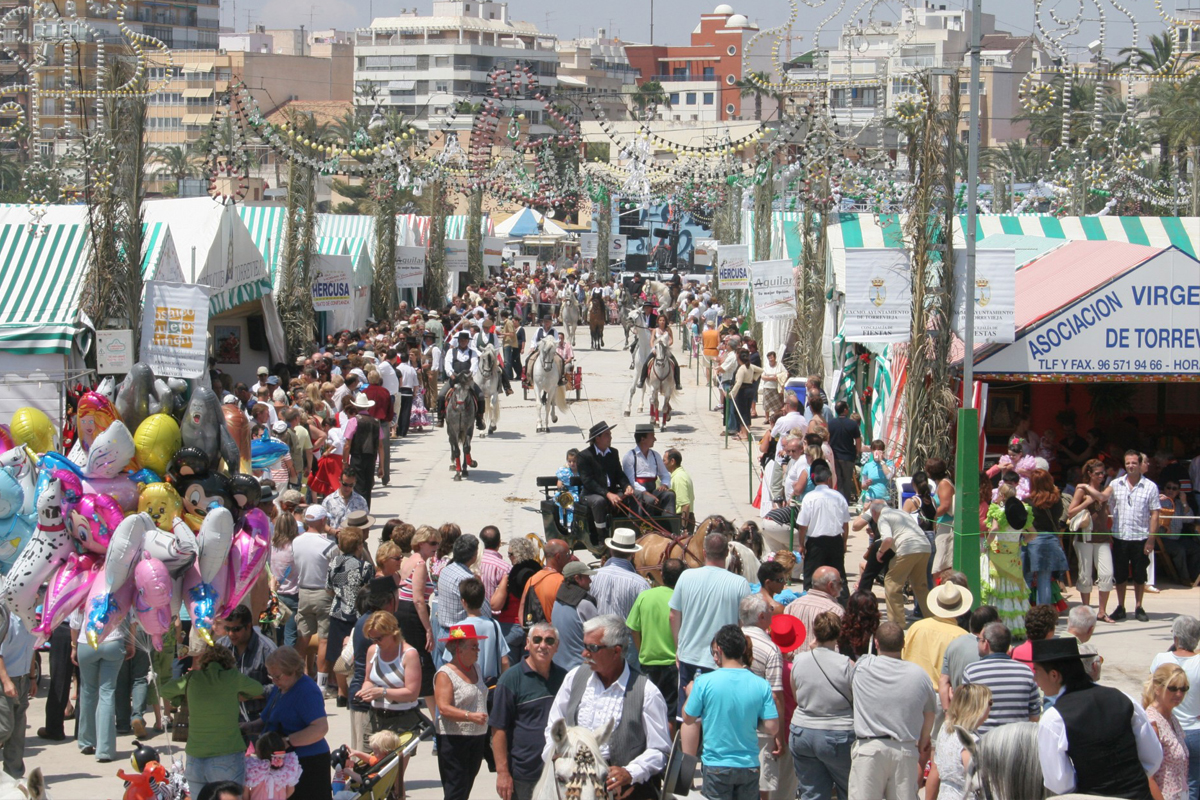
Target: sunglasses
x: 549, y: 640
x: 1181, y: 689
x: 596, y: 648
x: 234, y: 628
x: 395, y: 558
x: 349, y: 485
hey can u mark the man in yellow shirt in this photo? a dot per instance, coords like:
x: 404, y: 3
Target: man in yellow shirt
x: 681, y: 484
x: 926, y: 641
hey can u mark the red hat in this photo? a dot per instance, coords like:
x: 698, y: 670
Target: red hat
x: 787, y: 632
x: 463, y: 633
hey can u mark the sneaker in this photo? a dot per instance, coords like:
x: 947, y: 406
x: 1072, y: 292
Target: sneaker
x: 1140, y: 615
x: 1118, y: 614
x: 139, y: 728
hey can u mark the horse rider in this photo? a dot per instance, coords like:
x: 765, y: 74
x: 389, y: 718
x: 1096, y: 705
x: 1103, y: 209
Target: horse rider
x: 460, y: 359
x: 604, y: 484
x: 479, y: 342
x: 647, y: 473
x: 661, y: 331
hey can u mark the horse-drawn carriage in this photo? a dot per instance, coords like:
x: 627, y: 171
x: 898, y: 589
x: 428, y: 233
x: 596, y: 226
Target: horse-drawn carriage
x: 582, y: 533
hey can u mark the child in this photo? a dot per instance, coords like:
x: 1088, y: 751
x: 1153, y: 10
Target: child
x: 381, y: 743
x: 271, y: 772
x: 328, y: 473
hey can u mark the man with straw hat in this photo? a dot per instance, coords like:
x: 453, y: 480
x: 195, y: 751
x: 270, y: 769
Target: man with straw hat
x: 926, y: 641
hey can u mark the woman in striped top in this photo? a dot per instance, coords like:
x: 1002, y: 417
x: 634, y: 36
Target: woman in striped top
x: 393, y: 680
x: 412, y: 610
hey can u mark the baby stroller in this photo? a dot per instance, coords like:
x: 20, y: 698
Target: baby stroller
x: 375, y: 782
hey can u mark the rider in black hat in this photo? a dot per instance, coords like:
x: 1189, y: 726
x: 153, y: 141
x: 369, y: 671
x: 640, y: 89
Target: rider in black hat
x: 461, y: 359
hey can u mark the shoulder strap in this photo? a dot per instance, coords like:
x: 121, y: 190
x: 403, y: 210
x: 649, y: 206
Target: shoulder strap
x: 826, y: 676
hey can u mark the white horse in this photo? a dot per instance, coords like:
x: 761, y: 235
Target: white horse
x: 571, y: 314
x: 489, y: 382
x: 576, y: 769
x: 660, y: 382
x: 640, y: 353
x: 661, y: 292
x: 547, y: 370
x: 626, y: 311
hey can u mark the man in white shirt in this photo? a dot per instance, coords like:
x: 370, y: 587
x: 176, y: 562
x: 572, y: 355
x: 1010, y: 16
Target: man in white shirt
x: 790, y: 421
x: 823, y: 527
x: 262, y: 373
x: 603, y: 690
x: 647, y: 473
x: 408, y: 378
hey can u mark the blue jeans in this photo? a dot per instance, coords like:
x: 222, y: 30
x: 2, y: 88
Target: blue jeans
x: 729, y: 783
x: 514, y: 637
x: 96, y: 710
x: 292, y: 601
x: 200, y: 771
x: 1192, y: 740
x: 822, y: 760
x: 1045, y: 587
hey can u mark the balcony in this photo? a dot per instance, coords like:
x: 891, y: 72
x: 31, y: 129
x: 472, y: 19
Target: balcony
x: 690, y: 77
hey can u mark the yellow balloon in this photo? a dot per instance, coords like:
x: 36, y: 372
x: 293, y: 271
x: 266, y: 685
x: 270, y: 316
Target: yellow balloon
x: 156, y: 441
x: 162, y: 502
x: 31, y: 427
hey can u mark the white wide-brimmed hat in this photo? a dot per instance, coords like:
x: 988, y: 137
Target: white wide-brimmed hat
x: 623, y: 540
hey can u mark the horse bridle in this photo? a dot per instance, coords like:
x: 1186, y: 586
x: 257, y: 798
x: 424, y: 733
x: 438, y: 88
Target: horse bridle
x: 585, y: 770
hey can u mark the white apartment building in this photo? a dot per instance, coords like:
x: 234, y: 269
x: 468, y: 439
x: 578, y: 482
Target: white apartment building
x: 425, y: 66
x: 597, y: 67
x: 877, y: 63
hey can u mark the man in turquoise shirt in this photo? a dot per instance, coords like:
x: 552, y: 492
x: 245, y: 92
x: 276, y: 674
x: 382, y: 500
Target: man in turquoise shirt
x: 728, y: 705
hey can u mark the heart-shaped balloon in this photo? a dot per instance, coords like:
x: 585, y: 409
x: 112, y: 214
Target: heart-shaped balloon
x: 111, y: 452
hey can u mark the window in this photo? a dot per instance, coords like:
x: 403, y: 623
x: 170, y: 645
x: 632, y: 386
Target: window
x: 691, y: 98
x: 441, y: 61
x: 729, y: 108
x: 709, y: 73
x: 731, y: 79
x: 708, y: 98
x: 679, y: 72
x: 853, y: 98
x: 731, y: 50
x: 441, y: 86
x: 675, y: 98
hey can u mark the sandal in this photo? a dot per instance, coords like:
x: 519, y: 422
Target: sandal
x: 1104, y: 618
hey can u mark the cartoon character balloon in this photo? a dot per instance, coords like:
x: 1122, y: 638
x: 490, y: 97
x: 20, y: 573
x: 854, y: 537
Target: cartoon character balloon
x: 156, y: 440
x: 95, y: 414
x: 93, y: 521
x: 46, y: 551
x: 152, y: 601
x: 111, y: 452
x: 15, y: 527
x: 162, y: 503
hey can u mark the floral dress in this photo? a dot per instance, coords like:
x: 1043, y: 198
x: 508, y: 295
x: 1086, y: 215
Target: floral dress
x: 1005, y: 587
x: 1172, y: 775
x: 266, y: 783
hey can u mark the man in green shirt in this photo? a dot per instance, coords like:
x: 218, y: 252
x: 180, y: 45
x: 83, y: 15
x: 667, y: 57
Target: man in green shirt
x: 681, y: 484
x: 650, y: 622
x: 215, y: 749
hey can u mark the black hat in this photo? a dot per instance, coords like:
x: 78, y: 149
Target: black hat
x: 546, y: 318
x: 467, y: 334
x: 1055, y: 649
x: 428, y: 334
x: 644, y: 427
x: 647, y: 302
x: 597, y: 429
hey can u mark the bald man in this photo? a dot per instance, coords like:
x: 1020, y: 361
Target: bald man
x: 546, y: 582
x: 827, y: 583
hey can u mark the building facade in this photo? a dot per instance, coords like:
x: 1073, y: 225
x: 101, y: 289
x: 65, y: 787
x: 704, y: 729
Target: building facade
x: 598, y: 69
x: 427, y: 66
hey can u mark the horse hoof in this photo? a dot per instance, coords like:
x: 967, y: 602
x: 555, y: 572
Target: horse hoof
x: 627, y: 413
x: 491, y: 430
x: 458, y: 476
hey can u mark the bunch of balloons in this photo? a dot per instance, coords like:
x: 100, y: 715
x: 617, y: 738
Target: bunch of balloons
x: 147, y: 513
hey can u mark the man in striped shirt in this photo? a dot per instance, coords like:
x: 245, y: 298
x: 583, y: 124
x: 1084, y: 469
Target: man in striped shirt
x: 492, y: 566
x: 1014, y: 692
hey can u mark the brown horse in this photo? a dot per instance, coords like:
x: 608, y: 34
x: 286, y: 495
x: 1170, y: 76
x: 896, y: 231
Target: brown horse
x: 657, y: 548
x: 596, y: 315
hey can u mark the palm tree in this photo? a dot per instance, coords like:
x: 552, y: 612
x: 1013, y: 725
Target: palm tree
x: 650, y: 93
x: 907, y: 123
x: 1157, y: 59
x: 10, y: 170
x: 345, y: 127
x: 175, y: 161
x: 1018, y: 159
x: 754, y: 85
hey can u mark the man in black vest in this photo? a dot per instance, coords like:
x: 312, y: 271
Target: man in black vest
x: 604, y: 482
x: 605, y: 690
x: 364, y: 448
x: 1094, y: 740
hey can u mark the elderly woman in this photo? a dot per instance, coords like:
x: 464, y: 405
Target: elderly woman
x: 412, y: 610
x: 348, y: 572
x: 393, y: 680
x: 1185, y: 631
x: 822, y: 726
x: 296, y: 710
x: 774, y: 378
x: 461, y: 696
x: 1167, y: 686
x: 212, y: 691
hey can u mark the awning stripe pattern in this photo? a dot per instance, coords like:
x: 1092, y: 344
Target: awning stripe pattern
x: 40, y: 279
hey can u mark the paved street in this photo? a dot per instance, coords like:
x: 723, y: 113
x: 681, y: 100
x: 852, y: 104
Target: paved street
x: 503, y: 491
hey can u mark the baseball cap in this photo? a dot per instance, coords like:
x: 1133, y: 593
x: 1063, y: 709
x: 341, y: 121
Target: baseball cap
x: 273, y: 380
x: 229, y: 400
x: 577, y: 568
x: 315, y: 513
x: 291, y: 497
x: 279, y: 427
x: 263, y: 371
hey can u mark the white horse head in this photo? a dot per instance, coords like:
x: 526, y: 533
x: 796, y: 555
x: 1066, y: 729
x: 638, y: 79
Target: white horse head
x: 31, y: 787
x: 576, y: 769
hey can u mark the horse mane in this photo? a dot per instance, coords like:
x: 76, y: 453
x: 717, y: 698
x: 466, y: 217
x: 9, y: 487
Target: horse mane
x: 1004, y: 765
x: 715, y: 523
x: 582, y: 746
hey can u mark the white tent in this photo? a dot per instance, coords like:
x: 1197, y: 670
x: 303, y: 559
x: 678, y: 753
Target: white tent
x: 215, y: 249
x: 528, y: 222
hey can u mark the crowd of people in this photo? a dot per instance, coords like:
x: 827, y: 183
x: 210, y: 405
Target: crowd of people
x: 488, y: 647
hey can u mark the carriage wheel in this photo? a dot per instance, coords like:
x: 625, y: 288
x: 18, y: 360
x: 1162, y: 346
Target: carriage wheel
x: 540, y: 544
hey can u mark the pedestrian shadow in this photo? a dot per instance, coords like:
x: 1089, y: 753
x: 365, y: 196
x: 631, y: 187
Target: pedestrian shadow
x: 502, y: 435
x: 486, y: 476
x: 673, y: 428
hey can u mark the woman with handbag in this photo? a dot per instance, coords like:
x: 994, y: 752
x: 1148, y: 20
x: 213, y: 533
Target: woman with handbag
x: 211, y: 694
x: 822, y: 726
x: 1089, y: 518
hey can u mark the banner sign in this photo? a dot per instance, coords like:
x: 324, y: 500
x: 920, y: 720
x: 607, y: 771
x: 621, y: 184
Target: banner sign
x: 733, y: 267
x: 333, y: 284
x: 175, y: 329
x: 589, y: 245
x: 1146, y: 321
x: 493, y: 252
x: 774, y: 286
x: 456, y: 255
x: 995, y: 293
x: 618, y: 244
x: 114, y: 352
x: 878, y: 295
x: 410, y: 267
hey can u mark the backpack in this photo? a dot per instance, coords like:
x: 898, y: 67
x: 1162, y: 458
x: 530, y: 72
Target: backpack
x: 532, y: 612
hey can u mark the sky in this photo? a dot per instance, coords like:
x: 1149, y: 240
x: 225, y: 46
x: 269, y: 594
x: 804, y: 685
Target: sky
x: 674, y: 19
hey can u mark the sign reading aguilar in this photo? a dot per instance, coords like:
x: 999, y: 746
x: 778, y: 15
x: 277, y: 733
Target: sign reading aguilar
x: 410, y: 267
x: 774, y: 286
x: 332, y: 286
x: 175, y: 329
x: 878, y: 295
x: 733, y: 267
x: 995, y: 293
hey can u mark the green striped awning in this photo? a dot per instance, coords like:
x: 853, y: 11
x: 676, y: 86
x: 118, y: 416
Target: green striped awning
x: 155, y: 237
x: 266, y: 226
x: 40, y: 281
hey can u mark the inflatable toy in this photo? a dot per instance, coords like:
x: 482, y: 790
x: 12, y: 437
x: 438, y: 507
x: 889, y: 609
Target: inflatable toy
x: 18, y: 464
x: 162, y: 503
x: 15, y: 527
x: 247, y: 557
x: 203, y: 427
x: 156, y: 441
x: 239, y: 429
x: 152, y: 601
x: 48, y: 549
x: 69, y: 587
x: 94, y: 415
x: 33, y: 429
x: 266, y: 452
x: 93, y: 520
x: 110, y: 453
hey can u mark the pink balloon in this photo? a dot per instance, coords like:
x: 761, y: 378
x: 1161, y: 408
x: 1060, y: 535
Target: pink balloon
x: 152, y: 601
x: 120, y: 488
x: 103, y: 612
x: 93, y: 521
x: 247, y: 556
x: 68, y: 588
x: 72, y: 487
x: 6, y: 439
